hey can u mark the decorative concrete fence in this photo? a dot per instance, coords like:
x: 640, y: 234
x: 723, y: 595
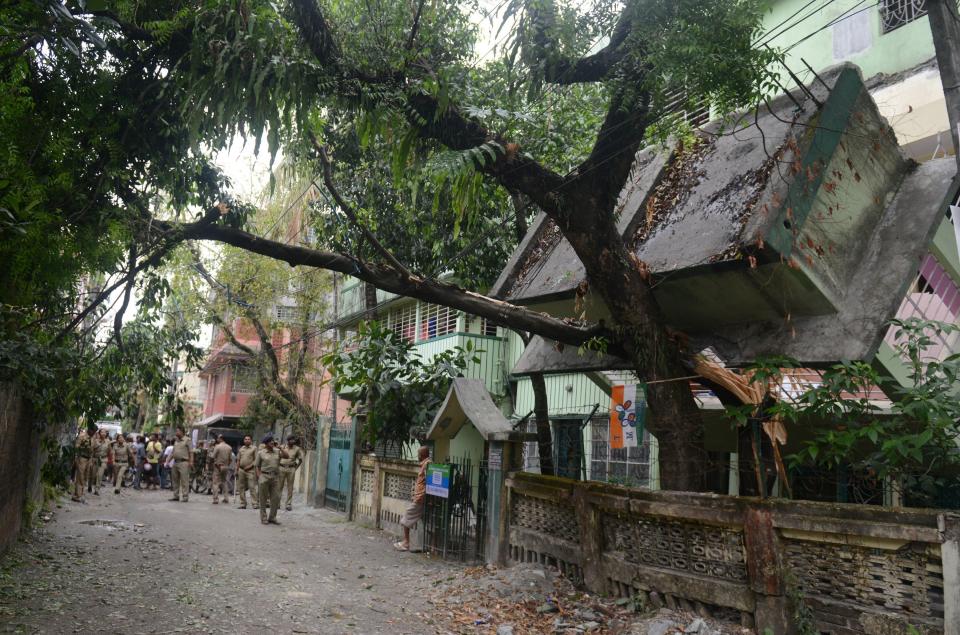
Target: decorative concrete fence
x: 856, y: 570
x: 383, y: 489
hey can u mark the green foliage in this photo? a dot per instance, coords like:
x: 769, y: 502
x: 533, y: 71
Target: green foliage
x: 913, y: 445
x: 398, y: 390
x: 430, y: 227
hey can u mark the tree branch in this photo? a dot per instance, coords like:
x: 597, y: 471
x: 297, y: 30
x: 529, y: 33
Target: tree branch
x: 606, y: 170
x: 118, y: 318
x: 348, y: 209
x: 416, y: 26
x: 152, y: 261
x: 316, y: 32
x: 512, y: 169
x: 591, y: 68
x: 389, y: 279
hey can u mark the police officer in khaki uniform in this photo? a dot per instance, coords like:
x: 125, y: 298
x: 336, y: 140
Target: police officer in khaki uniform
x: 222, y: 455
x: 182, y: 456
x: 246, y: 473
x: 288, y: 468
x: 84, y: 455
x: 268, y: 468
x: 101, y: 454
x: 122, y: 453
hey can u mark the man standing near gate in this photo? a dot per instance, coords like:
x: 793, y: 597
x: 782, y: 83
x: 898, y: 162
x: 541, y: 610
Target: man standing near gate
x: 182, y: 456
x: 222, y: 455
x: 288, y: 468
x: 415, y: 512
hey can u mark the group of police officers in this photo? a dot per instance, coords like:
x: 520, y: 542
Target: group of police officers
x: 263, y: 470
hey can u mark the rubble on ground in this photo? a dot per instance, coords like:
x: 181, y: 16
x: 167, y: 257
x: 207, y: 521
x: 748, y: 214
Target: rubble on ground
x: 532, y: 599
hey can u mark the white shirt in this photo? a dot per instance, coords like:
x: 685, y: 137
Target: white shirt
x: 166, y: 455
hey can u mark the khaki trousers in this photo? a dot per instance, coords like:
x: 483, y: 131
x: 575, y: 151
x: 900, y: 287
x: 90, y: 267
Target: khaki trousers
x: 286, y: 481
x: 80, y: 479
x: 98, y: 467
x: 181, y: 480
x: 119, y: 470
x: 269, y: 495
x: 220, y: 482
x: 247, y: 480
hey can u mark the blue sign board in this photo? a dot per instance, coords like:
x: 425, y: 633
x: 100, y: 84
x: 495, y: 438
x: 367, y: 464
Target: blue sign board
x: 438, y: 480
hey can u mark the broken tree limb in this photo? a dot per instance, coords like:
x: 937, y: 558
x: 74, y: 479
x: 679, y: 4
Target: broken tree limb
x: 390, y: 279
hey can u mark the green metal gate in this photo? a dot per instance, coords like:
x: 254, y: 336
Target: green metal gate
x: 339, y: 468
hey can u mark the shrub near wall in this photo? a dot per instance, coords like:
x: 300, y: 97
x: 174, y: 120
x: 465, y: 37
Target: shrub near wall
x: 19, y: 462
x: 848, y: 569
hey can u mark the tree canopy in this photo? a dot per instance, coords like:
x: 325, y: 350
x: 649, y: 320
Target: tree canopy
x: 116, y: 107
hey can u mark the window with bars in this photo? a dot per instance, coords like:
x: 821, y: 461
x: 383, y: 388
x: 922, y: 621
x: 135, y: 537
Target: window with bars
x: 487, y: 327
x: 896, y: 13
x: 436, y: 321
x: 403, y: 321
x: 626, y: 466
x: 676, y: 103
x: 244, y: 379
x: 286, y: 312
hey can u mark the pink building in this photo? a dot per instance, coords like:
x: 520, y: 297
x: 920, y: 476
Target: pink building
x: 230, y: 378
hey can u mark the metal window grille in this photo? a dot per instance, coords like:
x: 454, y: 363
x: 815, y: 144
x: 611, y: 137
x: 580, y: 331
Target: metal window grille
x: 896, y: 13
x: 436, y: 321
x: 933, y: 296
x: 627, y: 466
x: 244, y: 379
x: 403, y: 321
x: 487, y: 327
x: 676, y: 103
x: 286, y: 312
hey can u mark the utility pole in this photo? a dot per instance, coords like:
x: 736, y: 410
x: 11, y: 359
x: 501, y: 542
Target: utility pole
x: 945, y: 26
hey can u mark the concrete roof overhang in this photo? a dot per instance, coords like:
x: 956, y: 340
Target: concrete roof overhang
x: 880, y: 279
x: 870, y: 213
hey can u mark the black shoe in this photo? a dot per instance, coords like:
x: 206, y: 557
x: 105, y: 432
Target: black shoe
x: 116, y: 491
x: 174, y: 500
x: 274, y: 521
x: 289, y: 508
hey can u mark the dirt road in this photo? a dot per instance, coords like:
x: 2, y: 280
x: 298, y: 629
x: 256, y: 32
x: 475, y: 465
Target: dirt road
x: 137, y: 563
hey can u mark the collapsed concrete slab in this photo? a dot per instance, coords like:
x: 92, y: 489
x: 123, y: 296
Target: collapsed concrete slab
x: 794, y: 232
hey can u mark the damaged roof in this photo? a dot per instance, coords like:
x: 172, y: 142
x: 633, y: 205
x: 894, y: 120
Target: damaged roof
x: 792, y: 232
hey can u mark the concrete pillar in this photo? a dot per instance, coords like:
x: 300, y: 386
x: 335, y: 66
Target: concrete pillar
x: 949, y: 527
x: 378, y: 482
x: 765, y: 571
x: 591, y: 541
x: 499, y: 457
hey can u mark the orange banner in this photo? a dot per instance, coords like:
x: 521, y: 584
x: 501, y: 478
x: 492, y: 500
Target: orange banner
x: 616, y: 427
